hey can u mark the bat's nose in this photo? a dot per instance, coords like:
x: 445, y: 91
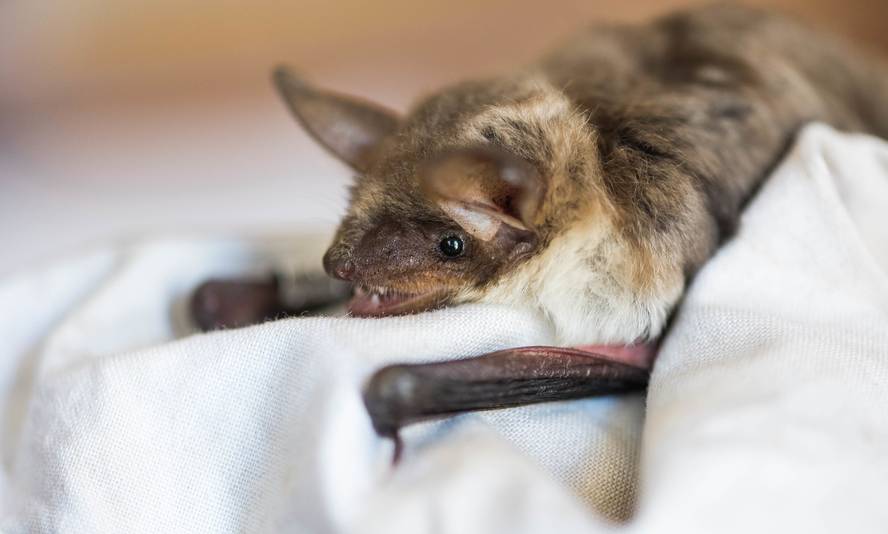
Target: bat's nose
x: 343, y: 269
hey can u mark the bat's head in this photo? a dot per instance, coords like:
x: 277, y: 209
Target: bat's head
x: 482, y: 192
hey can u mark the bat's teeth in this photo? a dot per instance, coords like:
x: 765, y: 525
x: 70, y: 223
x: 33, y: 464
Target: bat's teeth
x: 379, y: 292
x: 374, y: 300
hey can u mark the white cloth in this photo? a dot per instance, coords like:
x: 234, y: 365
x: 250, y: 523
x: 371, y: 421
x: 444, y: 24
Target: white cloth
x: 767, y: 412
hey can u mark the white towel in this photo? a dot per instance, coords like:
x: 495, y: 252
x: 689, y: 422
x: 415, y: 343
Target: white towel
x: 768, y: 407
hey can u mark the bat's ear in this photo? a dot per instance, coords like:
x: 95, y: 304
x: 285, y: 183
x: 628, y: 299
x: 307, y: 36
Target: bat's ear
x: 349, y: 127
x: 482, y: 189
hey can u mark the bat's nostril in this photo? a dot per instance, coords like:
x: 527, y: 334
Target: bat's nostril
x: 337, y: 267
x: 344, y: 270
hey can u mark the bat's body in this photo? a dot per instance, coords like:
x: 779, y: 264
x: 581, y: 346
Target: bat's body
x: 641, y: 145
x: 591, y: 185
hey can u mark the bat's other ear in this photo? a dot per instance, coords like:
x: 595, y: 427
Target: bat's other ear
x: 349, y: 127
x: 482, y: 189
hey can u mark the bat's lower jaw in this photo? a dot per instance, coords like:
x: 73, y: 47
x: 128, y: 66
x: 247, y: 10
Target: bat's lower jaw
x: 381, y: 302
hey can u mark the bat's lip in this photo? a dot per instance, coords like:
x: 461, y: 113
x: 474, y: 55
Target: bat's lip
x: 369, y: 301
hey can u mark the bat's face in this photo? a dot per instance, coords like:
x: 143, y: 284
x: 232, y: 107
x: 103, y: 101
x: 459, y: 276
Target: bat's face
x: 482, y: 193
x: 419, y: 237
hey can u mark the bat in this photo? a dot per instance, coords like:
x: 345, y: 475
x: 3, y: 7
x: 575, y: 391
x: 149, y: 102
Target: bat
x: 590, y: 185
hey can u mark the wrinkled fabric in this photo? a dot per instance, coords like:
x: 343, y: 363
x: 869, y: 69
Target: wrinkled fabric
x: 767, y: 410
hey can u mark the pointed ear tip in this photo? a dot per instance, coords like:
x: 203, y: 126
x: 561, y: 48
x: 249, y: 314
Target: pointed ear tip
x: 283, y: 75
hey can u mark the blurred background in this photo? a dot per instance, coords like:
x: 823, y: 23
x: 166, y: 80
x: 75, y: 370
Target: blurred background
x: 125, y: 118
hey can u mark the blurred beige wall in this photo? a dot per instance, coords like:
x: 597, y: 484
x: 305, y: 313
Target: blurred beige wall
x: 121, y: 118
x: 62, y: 52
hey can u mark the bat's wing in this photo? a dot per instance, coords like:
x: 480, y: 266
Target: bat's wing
x: 398, y: 395
x: 223, y: 303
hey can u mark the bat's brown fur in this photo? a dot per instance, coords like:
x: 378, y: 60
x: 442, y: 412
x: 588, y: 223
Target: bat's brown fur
x: 648, y: 140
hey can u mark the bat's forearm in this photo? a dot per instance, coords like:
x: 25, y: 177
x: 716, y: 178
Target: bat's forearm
x: 398, y: 395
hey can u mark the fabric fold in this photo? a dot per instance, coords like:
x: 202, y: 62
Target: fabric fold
x: 765, y: 413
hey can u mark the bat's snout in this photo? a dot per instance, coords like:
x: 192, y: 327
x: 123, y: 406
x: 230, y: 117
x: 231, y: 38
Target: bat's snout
x: 339, y: 267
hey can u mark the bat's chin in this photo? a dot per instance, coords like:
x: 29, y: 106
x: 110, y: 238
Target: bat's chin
x: 380, y: 301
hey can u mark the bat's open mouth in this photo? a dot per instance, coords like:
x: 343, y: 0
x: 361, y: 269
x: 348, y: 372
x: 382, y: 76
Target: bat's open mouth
x: 380, y: 301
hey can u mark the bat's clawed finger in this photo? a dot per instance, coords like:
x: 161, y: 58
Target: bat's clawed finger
x: 398, y: 395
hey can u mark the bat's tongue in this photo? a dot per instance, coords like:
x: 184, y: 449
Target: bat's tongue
x: 638, y: 355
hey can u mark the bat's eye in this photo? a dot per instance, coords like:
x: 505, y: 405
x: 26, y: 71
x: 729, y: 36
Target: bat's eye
x: 451, y: 246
